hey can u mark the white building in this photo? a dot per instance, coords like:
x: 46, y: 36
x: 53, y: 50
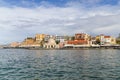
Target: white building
x: 60, y: 38
x: 50, y: 44
x: 107, y: 40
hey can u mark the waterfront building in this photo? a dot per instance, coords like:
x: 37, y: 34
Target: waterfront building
x: 82, y: 36
x: 15, y: 44
x: 81, y: 40
x: 39, y: 40
x: 47, y: 37
x: 61, y: 44
x: 93, y: 41
x: 60, y: 38
x: 61, y: 41
x: 39, y: 37
x: 28, y: 42
x: 77, y: 42
x: 50, y: 44
x: 106, y: 40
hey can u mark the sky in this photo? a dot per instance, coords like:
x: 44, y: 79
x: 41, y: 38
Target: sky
x: 24, y: 18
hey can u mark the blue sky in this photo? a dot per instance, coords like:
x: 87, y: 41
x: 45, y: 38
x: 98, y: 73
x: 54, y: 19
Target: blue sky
x: 58, y: 3
x: 23, y: 18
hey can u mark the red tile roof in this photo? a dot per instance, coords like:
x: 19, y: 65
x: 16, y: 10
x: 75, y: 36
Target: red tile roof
x: 106, y: 36
x: 77, y: 42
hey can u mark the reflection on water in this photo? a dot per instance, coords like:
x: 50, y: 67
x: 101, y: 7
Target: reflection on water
x: 59, y: 64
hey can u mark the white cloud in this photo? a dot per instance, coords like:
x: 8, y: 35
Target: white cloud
x: 17, y: 23
x: 90, y: 1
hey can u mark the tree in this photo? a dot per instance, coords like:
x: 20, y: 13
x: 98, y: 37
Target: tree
x: 97, y: 41
x: 72, y: 38
x: 118, y: 39
x: 67, y: 38
x: 57, y: 42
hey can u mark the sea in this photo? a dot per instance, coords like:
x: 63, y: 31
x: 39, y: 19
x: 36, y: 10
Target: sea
x: 87, y: 64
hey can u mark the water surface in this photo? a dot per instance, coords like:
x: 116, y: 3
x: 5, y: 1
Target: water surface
x: 20, y: 64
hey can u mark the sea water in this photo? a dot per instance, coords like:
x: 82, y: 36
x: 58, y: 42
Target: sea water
x: 23, y: 64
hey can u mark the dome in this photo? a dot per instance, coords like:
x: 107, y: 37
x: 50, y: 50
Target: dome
x: 51, y: 41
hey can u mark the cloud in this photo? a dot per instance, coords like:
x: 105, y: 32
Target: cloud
x: 16, y: 23
x: 90, y: 1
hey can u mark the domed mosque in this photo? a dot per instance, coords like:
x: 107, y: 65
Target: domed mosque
x: 50, y: 44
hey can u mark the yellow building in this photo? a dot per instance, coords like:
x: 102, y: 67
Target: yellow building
x: 34, y: 42
x: 28, y: 42
x: 105, y: 40
x: 39, y: 38
x: 113, y: 40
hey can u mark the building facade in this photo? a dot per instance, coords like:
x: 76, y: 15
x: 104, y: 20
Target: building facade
x: 28, y: 42
x: 82, y: 36
x: 51, y: 44
x: 39, y: 37
x: 15, y: 44
x: 106, y: 40
x: 81, y: 39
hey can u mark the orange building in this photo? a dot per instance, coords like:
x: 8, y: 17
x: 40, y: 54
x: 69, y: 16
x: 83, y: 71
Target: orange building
x: 78, y: 42
x: 80, y: 39
x: 82, y: 36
